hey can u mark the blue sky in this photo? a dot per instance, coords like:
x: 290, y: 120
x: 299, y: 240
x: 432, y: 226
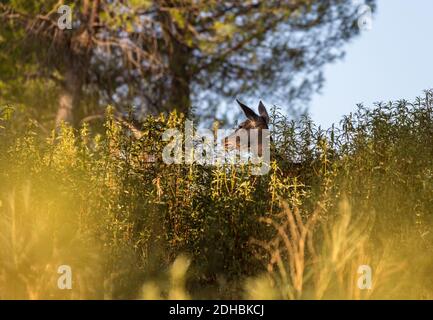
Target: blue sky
x: 393, y: 60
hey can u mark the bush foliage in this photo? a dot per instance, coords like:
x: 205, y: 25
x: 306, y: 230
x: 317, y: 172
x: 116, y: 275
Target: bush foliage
x: 359, y: 193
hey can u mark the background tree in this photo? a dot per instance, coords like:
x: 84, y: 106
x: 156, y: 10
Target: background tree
x: 164, y: 55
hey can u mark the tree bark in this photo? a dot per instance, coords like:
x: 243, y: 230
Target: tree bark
x: 69, y: 97
x: 179, y: 91
x: 76, y: 63
x: 180, y: 99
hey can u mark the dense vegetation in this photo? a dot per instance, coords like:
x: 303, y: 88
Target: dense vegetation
x: 356, y: 194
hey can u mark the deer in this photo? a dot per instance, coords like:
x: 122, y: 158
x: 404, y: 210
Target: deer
x: 256, y: 121
x: 260, y: 122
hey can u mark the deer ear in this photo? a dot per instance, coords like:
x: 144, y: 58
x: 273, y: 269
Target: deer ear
x: 263, y: 113
x: 248, y: 111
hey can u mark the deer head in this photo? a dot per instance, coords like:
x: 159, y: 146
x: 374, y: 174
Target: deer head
x: 254, y: 121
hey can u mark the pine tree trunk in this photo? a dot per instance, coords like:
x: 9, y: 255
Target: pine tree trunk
x: 179, y: 95
x: 180, y: 92
x: 69, y: 97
